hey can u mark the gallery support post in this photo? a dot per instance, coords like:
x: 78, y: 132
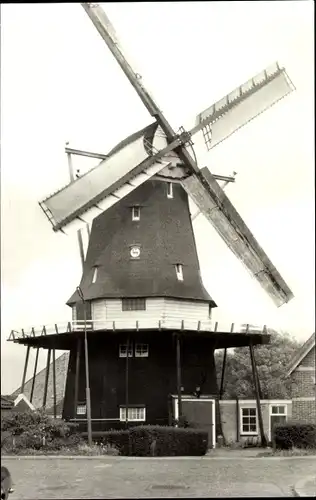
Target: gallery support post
x: 88, y: 396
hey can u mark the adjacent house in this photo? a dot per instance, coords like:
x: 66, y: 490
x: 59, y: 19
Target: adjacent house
x: 302, y: 371
x: 39, y: 384
x: 18, y: 403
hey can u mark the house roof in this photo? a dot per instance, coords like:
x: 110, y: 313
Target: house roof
x: 61, y: 373
x: 301, y: 354
x: 23, y: 402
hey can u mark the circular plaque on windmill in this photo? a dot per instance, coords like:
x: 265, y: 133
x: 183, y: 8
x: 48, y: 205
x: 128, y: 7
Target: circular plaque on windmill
x: 135, y: 252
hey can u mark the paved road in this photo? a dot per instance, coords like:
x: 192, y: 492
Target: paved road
x: 113, y: 477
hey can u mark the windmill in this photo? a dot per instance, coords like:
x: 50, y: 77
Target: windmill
x: 141, y: 273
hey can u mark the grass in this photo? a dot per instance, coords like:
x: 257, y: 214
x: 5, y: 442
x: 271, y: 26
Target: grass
x: 80, y: 450
x: 293, y: 452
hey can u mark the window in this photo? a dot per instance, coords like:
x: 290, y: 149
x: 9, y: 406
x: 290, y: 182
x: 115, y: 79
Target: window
x: 169, y: 190
x: 249, y: 421
x: 123, y: 350
x: 141, y: 350
x: 95, y: 274
x: 81, y: 409
x: 179, y: 272
x: 134, y: 304
x: 135, y: 414
x: 135, y: 213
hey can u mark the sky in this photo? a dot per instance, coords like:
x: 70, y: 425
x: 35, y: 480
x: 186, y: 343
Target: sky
x: 60, y: 83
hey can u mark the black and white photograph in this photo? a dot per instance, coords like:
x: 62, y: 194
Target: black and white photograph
x: 158, y: 250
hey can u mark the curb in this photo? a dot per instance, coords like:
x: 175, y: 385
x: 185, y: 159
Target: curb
x: 300, y: 489
x: 113, y: 458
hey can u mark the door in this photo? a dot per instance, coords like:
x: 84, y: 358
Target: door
x: 201, y: 413
x: 277, y: 416
x: 98, y: 310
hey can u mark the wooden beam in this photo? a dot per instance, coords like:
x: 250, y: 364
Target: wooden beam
x: 259, y: 412
x: 88, y: 395
x: 238, y: 419
x: 179, y: 376
x: 79, y: 152
x: 212, y: 201
x: 79, y: 235
x: 46, y: 379
x: 25, y: 368
x: 54, y: 384
x: 221, y: 391
x: 77, y: 373
x: 127, y: 381
x: 34, y: 375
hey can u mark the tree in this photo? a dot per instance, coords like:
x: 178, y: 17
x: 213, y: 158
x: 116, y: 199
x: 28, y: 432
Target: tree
x: 272, y: 361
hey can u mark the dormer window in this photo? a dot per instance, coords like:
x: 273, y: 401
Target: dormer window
x: 95, y: 274
x: 169, y: 190
x: 136, y: 213
x: 179, y: 272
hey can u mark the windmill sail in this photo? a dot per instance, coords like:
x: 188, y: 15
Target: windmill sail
x: 220, y: 212
x: 128, y: 166
x: 243, y: 104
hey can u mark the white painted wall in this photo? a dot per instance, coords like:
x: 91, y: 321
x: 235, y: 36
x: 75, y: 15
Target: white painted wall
x: 170, y: 312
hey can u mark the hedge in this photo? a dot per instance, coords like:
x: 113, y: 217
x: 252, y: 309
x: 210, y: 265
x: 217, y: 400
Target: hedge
x: 294, y: 434
x: 155, y: 440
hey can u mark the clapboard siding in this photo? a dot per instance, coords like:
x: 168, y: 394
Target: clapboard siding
x: 186, y: 310
x: 99, y: 313
x: 156, y: 309
x: 74, y: 313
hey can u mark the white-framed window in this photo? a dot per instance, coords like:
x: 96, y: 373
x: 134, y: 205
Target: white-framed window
x: 123, y: 350
x: 141, y: 350
x: 169, y: 190
x: 248, y: 422
x: 81, y: 409
x: 95, y: 274
x: 138, y: 304
x: 179, y: 272
x: 134, y: 414
x: 278, y: 415
x: 136, y: 213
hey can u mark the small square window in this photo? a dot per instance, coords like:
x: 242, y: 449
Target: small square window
x: 278, y: 410
x: 169, y: 190
x: 136, y: 213
x: 179, y: 272
x: 141, y: 350
x: 81, y: 409
x: 134, y: 414
x: 138, y: 304
x: 123, y: 350
x: 95, y: 274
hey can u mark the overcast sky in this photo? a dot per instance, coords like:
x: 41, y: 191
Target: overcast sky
x: 60, y: 83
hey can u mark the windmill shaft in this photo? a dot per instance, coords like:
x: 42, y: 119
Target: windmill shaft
x: 79, y: 235
x: 89, y: 154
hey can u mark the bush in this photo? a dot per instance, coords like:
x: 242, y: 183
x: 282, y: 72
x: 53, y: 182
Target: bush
x: 294, y: 434
x: 118, y: 439
x: 151, y: 440
x: 36, y: 430
x: 155, y: 440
